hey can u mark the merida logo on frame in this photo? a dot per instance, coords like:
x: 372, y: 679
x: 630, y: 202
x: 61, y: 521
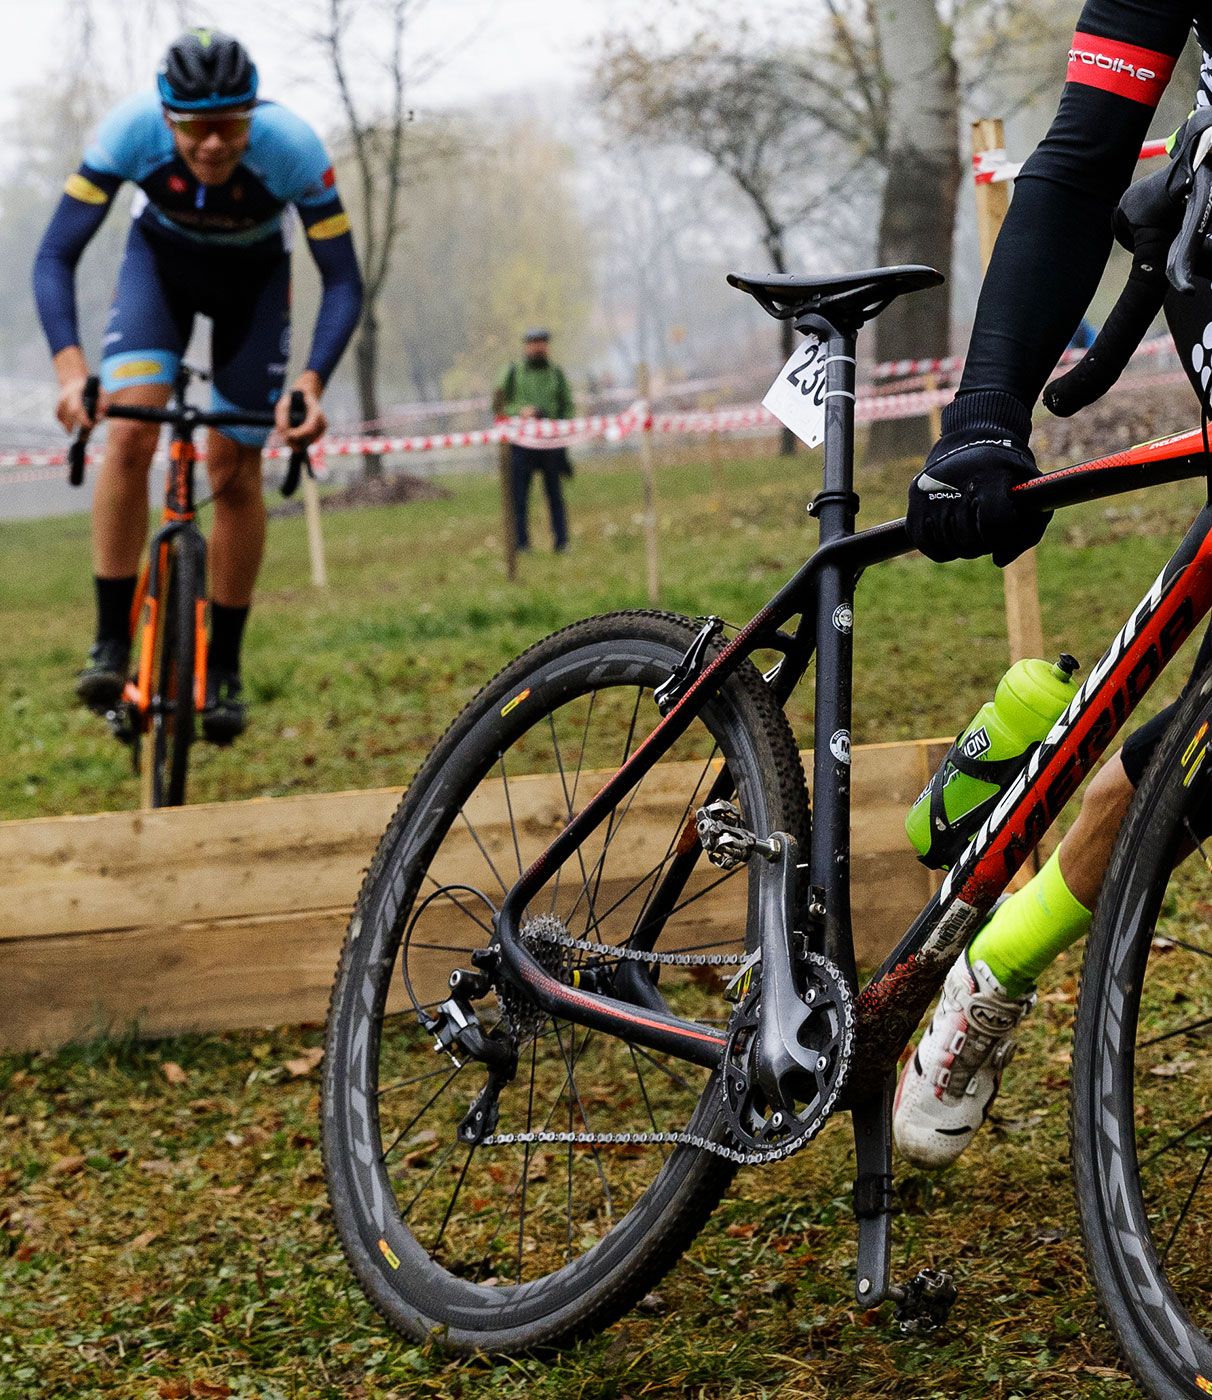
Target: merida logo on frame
x: 1111, y: 65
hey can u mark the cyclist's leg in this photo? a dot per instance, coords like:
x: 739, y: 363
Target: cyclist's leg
x: 250, y: 348
x: 145, y: 335
x: 950, y: 1082
x: 521, y: 465
x: 553, y: 466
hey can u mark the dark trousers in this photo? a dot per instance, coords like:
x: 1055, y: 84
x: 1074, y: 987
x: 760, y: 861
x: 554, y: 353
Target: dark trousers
x: 552, y: 464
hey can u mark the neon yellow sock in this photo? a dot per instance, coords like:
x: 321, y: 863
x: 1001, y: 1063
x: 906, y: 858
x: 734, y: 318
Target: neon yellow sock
x: 1030, y: 929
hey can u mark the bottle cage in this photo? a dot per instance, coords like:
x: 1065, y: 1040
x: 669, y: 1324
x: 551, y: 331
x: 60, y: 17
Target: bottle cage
x: 949, y: 837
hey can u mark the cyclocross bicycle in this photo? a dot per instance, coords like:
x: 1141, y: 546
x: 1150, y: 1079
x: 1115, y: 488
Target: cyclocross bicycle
x: 155, y: 715
x: 602, y: 958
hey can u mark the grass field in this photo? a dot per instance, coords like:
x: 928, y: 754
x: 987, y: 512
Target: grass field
x: 163, y: 1229
x: 351, y: 687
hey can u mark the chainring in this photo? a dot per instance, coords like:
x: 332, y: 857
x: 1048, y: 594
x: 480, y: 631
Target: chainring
x: 751, y: 1120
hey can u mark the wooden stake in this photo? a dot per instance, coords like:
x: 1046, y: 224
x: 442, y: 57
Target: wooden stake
x: 509, y: 529
x: 649, y: 474
x: 315, y: 537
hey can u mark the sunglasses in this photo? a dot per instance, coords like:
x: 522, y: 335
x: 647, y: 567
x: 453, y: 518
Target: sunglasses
x: 227, y: 127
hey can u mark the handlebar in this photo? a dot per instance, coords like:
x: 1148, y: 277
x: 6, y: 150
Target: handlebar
x: 1113, y: 347
x: 186, y: 414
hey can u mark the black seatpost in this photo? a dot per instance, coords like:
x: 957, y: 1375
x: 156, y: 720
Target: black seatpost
x: 835, y: 508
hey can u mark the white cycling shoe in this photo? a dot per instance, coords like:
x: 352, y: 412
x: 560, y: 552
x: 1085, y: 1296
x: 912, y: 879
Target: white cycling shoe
x: 954, y: 1074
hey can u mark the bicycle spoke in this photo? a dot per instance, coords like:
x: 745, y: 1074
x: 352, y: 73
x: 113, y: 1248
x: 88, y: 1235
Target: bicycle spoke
x: 480, y: 847
x: 1187, y: 1204
x: 585, y: 1120
x: 1182, y: 1030
x: 526, y: 1158
x: 408, y: 1083
x: 568, y: 801
x: 678, y: 829
x: 471, y: 1152
x: 599, y: 864
x: 412, y: 1122
x: 639, y: 1074
x: 445, y: 1157
x: 513, y: 826
x: 677, y: 1078
x: 1174, y: 1141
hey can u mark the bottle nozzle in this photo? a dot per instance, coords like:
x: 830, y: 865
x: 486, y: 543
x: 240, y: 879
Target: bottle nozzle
x: 1067, y: 665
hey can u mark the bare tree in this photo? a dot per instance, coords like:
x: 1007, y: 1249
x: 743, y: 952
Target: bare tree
x: 741, y: 111
x: 870, y: 96
x: 376, y: 142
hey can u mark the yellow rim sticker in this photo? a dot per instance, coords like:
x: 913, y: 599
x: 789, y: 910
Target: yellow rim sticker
x: 389, y: 1254
x: 515, y: 702
x: 1204, y: 1385
x: 1203, y: 729
x: 84, y: 190
x: 329, y: 228
x: 136, y: 369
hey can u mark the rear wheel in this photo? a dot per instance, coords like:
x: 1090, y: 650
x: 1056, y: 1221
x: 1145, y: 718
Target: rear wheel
x: 509, y: 1246
x: 1142, y: 1071
x: 170, y: 723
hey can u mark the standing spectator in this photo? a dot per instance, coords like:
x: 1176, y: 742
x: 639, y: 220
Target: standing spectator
x: 536, y: 388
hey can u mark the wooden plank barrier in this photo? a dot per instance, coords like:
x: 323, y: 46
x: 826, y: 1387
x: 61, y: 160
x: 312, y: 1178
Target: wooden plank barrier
x: 231, y: 915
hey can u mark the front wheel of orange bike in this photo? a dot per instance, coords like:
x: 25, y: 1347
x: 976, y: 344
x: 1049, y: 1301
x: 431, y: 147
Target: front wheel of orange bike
x: 169, y: 727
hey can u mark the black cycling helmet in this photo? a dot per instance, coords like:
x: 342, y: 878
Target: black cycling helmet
x: 206, y: 70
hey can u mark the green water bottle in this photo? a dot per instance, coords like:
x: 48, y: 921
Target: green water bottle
x: 988, y: 756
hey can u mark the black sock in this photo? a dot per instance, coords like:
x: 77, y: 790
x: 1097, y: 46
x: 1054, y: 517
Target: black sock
x: 115, y: 597
x: 226, y: 635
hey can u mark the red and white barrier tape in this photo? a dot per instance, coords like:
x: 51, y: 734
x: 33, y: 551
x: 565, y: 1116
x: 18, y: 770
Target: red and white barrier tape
x: 20, y: 468
x: 900, y: 369
x: 992, y: 167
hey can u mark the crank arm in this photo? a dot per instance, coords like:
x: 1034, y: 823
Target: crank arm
x: 781, y: 1057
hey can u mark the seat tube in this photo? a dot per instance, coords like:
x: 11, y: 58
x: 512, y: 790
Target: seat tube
x: 835, y: 509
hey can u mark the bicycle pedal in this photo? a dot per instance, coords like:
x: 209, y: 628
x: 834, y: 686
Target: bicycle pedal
x: 924, y: 1303
x: 726, y: 842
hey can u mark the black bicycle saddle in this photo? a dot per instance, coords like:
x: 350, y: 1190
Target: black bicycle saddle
x: 850, y: 299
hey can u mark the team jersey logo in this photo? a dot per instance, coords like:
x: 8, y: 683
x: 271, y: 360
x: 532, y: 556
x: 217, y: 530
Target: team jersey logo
x: 1127, y: 71
x: 329, y: 178
x: 177, y: 184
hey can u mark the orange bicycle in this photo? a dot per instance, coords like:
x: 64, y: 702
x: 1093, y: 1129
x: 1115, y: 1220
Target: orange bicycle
x: 155, y: 715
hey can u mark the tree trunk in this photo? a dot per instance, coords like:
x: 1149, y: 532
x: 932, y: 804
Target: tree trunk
x: 366, y: 363
x: 787, y: 439
x: 918, y: 216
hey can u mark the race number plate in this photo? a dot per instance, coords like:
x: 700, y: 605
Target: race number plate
x: 797, y: 396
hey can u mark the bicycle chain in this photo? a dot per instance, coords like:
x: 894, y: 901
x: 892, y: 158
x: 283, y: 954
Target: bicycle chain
x: 541, y: 928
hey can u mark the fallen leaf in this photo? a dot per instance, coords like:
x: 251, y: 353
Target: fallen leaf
x: 173, y: 1390
x: 741, y: 1232
x: 173, y: 1072
x: 25, y: 1253
x: 143, y: 1240
x: 1172, y: 1067
x: 67, y: 1166
x: 204, y: 1390
x: 305, y: 1062
x: 233, y: 1139
x: 229, y: 1190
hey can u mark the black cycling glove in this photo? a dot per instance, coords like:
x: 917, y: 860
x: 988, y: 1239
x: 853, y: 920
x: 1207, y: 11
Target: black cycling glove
x: 960, y: 505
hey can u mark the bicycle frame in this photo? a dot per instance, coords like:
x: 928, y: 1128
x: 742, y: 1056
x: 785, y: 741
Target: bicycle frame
x: 821, y: 594
x: 178, y: 519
